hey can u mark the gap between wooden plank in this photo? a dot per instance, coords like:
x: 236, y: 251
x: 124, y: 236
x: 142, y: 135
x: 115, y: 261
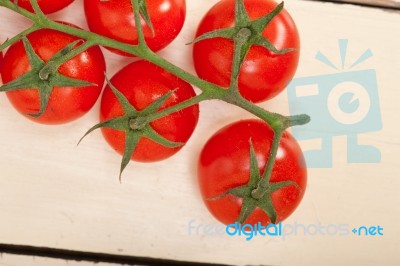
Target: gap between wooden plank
x: 80, y: 256
x: 386, y: 4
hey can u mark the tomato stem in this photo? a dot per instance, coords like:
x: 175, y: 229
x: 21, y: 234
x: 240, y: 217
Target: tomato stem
x: 18, y: 37
x: 264, y: 183
x: 136, y: 10
x: 180, y: 106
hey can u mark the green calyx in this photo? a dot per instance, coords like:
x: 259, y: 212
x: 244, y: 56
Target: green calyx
x: 245, y: 33
x: 44, y: 76
x: 251, y: 198
x: 135, y: 124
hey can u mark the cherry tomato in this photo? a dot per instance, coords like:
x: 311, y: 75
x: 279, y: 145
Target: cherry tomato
x: 47, y: 6
x: 65, y: 103
x: 142, y: 83
x: 114, y: 19
x: 263, y: 74
x: 224, y: 164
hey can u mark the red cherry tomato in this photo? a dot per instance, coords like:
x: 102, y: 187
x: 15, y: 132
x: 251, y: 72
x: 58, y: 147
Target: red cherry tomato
x: 263, y: 74
x: 142, y: 83
x: 114, y: 19
x: 224, y: 164
x: 66, y: 103
x: 47, y: 6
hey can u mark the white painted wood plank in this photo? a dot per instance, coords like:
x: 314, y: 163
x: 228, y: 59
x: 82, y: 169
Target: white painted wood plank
x: 55, y: 194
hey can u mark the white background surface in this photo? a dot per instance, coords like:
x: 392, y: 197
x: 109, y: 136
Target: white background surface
x: 55, y: 194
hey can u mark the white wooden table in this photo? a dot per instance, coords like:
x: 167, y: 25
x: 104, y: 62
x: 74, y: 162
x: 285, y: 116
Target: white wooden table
x: 56, y: 195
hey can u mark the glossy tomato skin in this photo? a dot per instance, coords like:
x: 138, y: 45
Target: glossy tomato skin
x: 66, y: 103
x: 1, y: 60
x: 142, y: 83
x: 224, y: 164
x: 114, y: 19
x: 47, y: 6
x: 263, y: 74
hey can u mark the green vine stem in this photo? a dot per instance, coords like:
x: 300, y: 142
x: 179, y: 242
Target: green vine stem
x: 241, y: 34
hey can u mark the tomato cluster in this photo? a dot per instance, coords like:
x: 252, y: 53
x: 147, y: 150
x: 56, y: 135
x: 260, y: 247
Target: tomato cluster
x: 48, y: 82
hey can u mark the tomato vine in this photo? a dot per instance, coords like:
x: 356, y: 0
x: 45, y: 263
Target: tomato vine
x: 245, y: 34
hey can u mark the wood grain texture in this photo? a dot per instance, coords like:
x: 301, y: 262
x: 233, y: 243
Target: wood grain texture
x: 55, y: 194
